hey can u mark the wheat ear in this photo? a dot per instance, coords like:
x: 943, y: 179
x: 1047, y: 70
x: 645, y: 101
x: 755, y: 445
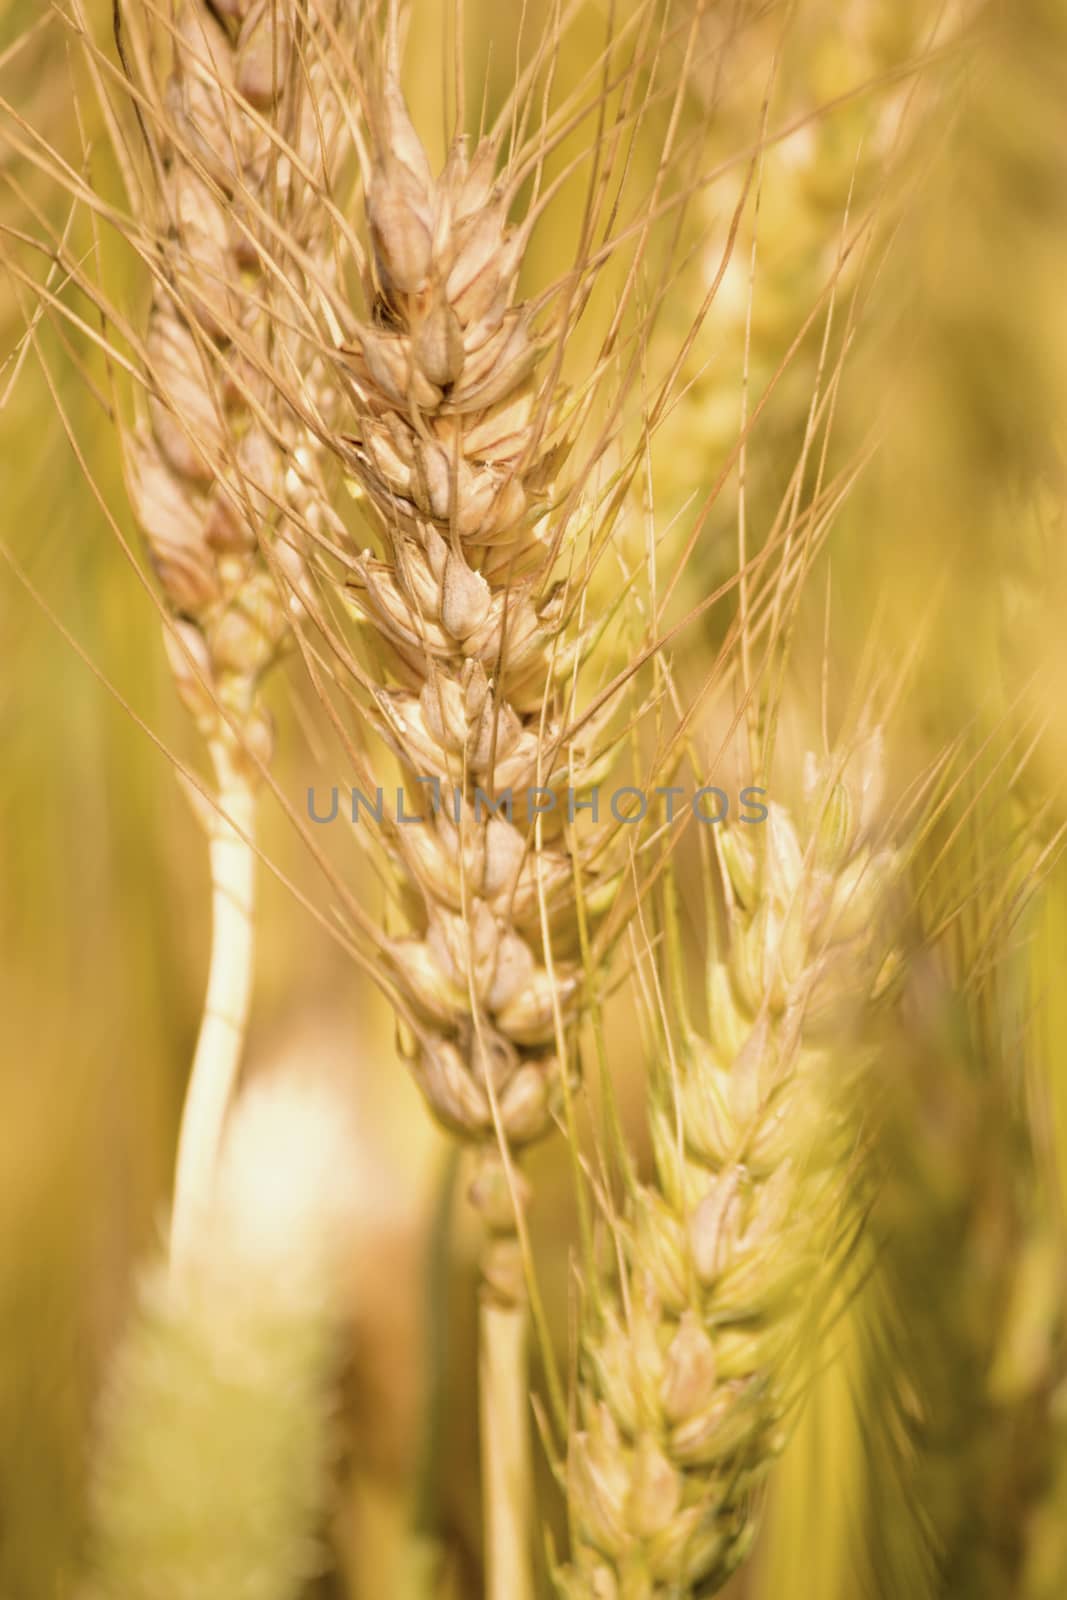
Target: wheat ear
x: 446, y: 478
x: 209, y: 462
x: 454, y: 445
x: 693, y: 1350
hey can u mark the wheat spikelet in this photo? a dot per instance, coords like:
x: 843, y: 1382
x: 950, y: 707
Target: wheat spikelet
x: 690, y: 1363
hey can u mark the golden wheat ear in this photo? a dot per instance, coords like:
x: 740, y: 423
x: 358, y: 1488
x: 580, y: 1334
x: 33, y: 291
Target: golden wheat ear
x: 464, y: 623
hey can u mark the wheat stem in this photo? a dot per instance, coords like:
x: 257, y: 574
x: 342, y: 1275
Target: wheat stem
x: 507, y: 1489
x: 226, y: 1004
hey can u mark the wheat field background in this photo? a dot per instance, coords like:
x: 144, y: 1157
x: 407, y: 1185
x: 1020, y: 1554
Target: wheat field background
x: 888, y: 235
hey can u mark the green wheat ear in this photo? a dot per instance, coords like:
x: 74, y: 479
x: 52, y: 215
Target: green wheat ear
x: 697, y: 1338
x: 212, y: 1475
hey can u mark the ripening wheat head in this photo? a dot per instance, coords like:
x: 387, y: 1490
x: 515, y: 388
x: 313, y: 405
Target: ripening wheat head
x: 491, y: 488
x: 693, y: 1350
x: 243, y: 136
